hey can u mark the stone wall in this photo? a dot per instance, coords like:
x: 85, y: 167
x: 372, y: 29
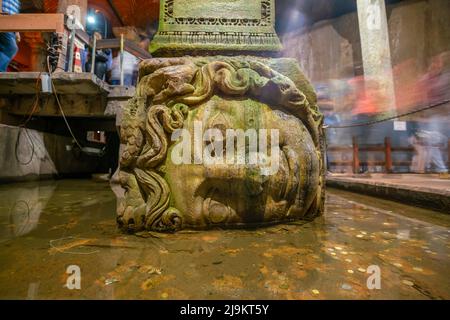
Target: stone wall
x: 331, y: 49
x: 30, y: 154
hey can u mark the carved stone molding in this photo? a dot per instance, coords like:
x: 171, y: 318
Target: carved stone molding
x: 188, y: 26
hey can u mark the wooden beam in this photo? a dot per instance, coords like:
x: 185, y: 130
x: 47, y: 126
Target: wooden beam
x: 372, y: 148
x: 116, y: 12
x: 339, y: 148
x: 44, y: 22
x: 83, y: 36
x: 130, y: 47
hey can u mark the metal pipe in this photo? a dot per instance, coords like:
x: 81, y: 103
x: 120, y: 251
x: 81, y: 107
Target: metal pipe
x: 106, y: 27
x: 94, y: 49
x: 122, y: 80
x: 71, y: 49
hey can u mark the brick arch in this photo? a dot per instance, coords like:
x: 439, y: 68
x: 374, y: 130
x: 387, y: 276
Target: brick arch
x: 51, y: 6
x: 105, y: 8
x: 139, y: 13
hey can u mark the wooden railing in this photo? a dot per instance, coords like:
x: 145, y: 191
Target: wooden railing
x: 386, y: 148
x: 46, y: 22
x: 43, y: 22
x: 129, y: 46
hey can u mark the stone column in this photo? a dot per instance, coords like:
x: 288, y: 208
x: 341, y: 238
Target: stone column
x: 82, y: 4
x: 376, y: 51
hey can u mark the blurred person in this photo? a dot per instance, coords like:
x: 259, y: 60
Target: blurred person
x: 330, y: 119
x: 409, y: 92
x: 8, y: 40
x: 370, y: 99
x: 419, y: 158
x: 436, y: 87
x: 326, y: 106
x: 130, y: 66
x: 428, y: 157
x: 102, y: 58
x: 437, y: 79
x: 364, y: 111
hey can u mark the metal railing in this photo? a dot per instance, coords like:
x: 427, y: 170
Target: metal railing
x: 355, y: 149
x: 123, y: 45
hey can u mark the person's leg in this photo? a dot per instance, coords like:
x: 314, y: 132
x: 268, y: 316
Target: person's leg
x: 428, y: 154
x: 8, y: 49
x: 437, y: 160
x: 4, y: 61
x: 128, y: 80
x: 421, y: 159
x: 415, y: 160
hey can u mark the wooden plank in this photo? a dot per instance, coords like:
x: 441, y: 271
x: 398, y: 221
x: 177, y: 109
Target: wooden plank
x: 130, y: 47
x: 79, y: 83
x: 28, y: 83
x: 19, y: 83
x: 372, y: 163
x: 402, y: 163
x: 74, y: 105
x: 339, y: 148
x: 372, y: 148
x: 402, y: 149
x: 341, y: 163
x: 44, y: 22
x: 83, y: 36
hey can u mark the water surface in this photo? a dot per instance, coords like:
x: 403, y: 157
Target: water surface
x: 46, y: 227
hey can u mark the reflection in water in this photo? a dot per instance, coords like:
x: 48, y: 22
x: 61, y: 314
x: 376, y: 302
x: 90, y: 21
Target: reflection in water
x: 21, y: 208
x: 324, y: 259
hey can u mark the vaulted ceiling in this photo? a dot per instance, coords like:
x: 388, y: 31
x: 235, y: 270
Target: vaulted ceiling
x: 142, y: 13
x: 139, y: 13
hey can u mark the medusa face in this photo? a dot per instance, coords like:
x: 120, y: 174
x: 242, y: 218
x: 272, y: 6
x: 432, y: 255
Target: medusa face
x: 219, y: 141
x: 240, y: 162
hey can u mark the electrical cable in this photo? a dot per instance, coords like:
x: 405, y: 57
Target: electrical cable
x: 370, y: 123
x: 23, y: 126
x: 58, y: 102
x: 17, y: 147
x: 64, y: 115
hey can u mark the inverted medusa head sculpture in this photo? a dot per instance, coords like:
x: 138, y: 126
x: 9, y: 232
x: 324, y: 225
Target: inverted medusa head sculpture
x: 218, y: 142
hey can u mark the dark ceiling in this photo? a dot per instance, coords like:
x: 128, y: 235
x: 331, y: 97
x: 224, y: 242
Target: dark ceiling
x: 295, y: 14
x: 290, y: 14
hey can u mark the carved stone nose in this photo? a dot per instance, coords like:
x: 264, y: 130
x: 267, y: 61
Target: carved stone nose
x: 127, y: 220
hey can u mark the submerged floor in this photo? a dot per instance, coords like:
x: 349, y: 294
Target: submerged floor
x: 47, y: 227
